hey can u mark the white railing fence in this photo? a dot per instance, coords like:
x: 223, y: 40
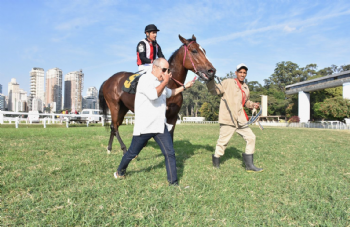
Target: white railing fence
x: 52, y: 118
x: 198, y: 122
x: 322, y: 124
x: 48, y: 118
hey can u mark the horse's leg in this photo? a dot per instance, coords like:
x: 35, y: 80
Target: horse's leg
x: 109, y: 149
x: 122, y: 111
x: 173, y: 122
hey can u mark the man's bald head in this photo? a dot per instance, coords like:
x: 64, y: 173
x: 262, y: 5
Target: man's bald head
x: 161, y: 62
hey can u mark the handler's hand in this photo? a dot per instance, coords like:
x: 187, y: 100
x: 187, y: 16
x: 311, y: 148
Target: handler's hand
x: 190, y: 84
x: 256, y: 105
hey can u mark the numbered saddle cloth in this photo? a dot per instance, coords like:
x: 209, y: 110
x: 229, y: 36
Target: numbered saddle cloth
x: 130, y: 83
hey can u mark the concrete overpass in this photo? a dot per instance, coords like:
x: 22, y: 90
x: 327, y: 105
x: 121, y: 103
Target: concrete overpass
x: 304, y: 88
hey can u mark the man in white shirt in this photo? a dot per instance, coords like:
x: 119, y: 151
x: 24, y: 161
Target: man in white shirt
x: 150, y: 120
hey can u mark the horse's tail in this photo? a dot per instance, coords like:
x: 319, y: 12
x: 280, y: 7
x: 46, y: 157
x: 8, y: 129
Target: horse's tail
x: 103, y: 104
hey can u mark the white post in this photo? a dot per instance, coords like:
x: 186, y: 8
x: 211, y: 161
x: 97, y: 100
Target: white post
x: 1, y: 118
x: 53, y: 119
x: 87, y: 123
x: 44, y: 121
x: 264, y: 105
x: 16, y: 122
x: 304, y: 106
x: 346, y: 90
x: 103, y: 121
x: 126, y: 121
x: 67, y: 125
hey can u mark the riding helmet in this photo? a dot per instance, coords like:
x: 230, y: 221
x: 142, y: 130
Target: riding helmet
x: 151, y: 27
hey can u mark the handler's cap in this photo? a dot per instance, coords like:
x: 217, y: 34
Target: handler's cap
x: 151, y: 27
x: 242, y: 65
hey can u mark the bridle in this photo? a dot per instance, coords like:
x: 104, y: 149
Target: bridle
x: 183, y: 62
x: 186, y: 50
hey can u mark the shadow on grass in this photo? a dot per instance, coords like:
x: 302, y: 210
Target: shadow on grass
x: 231, y: 152
x: 185, y: 150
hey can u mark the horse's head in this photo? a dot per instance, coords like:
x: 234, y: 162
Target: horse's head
x: 195, y: 59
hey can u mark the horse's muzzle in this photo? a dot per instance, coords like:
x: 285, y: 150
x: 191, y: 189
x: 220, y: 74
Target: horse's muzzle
x: 207, y: 75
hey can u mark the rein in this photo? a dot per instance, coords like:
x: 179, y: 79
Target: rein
x: 177, y: 82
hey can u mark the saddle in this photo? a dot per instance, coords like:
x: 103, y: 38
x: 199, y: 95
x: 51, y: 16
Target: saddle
x: 131, y: 82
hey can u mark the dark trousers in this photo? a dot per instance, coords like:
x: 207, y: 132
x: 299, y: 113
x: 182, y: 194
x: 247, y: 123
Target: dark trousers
x: 166, y: 145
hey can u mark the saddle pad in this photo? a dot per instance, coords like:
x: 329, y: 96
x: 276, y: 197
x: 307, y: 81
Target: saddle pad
x: 130, y: 83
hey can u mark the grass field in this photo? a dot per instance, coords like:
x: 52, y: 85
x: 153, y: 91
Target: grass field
x: 64, y: 177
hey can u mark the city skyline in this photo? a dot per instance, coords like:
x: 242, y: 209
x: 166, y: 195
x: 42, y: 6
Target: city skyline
x: 51, y: 95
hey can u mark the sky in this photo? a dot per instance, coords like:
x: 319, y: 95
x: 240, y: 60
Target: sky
x: 100, y: 36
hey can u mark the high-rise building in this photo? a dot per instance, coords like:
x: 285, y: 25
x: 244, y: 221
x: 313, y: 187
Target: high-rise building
x: 73, y: 88
x: 23, y: 101
x: 92, y: 91
x: 14, y: 95
x: 90, y: 101
x: 17, y: 97
x: 2, y: 102
x: 53, y: 96
x: 37, y: 92
x: 2, y: 99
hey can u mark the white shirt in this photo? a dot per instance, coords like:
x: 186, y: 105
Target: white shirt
x: 149, y: 108
x: 145, y: 68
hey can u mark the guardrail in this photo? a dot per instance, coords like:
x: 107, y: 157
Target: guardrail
x: 199, y: 122
x: 322, y: 124
x: 52, y: 118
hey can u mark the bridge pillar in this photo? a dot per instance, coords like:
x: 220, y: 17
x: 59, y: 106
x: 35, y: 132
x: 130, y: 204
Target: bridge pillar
x: 346, y: 90
x: 304, y: 106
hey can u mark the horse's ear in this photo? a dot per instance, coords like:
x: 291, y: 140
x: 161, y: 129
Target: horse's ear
x: 194, y: 38
x: 183, y: 40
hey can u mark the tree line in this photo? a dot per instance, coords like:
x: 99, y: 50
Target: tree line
x: 325, y: 104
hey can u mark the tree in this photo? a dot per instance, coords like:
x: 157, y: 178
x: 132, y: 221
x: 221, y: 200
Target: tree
x: 285, y: 73
x: 209, y: 111
x: 344, y: 68
x: 334, y: 109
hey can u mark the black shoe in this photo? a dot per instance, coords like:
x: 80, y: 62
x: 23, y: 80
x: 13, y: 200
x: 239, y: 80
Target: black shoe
x: 249, y: 165
x: 216, y: 161
x: 174, y: 184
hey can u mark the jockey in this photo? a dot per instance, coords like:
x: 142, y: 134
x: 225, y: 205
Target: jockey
x: 148, y: 49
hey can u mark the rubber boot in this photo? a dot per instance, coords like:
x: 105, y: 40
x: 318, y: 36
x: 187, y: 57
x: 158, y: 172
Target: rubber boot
x: 216, y: 161
x: 249, y: 165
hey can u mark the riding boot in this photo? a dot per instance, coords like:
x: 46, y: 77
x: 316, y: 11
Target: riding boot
x: 249, y: 165
x: 216, y: 161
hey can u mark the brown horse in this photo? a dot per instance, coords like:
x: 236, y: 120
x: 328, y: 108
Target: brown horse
x: 190, y: 56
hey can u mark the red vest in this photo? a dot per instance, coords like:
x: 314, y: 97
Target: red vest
x: 149, y: 51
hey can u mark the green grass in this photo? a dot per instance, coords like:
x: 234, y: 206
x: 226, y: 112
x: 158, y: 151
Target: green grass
x: 64, y: 177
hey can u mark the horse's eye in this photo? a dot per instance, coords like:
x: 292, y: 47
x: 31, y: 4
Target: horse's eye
x: 194, y: 51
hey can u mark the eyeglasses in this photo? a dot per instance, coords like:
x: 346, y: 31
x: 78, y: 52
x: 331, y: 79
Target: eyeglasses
x: 163, y: 69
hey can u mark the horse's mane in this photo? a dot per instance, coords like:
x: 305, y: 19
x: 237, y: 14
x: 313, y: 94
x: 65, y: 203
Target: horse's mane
x: 176, y: 51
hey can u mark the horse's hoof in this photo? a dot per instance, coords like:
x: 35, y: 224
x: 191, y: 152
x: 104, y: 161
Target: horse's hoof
x: 108, y: 151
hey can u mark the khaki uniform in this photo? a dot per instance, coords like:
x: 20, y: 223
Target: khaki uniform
x: 228, y: 126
